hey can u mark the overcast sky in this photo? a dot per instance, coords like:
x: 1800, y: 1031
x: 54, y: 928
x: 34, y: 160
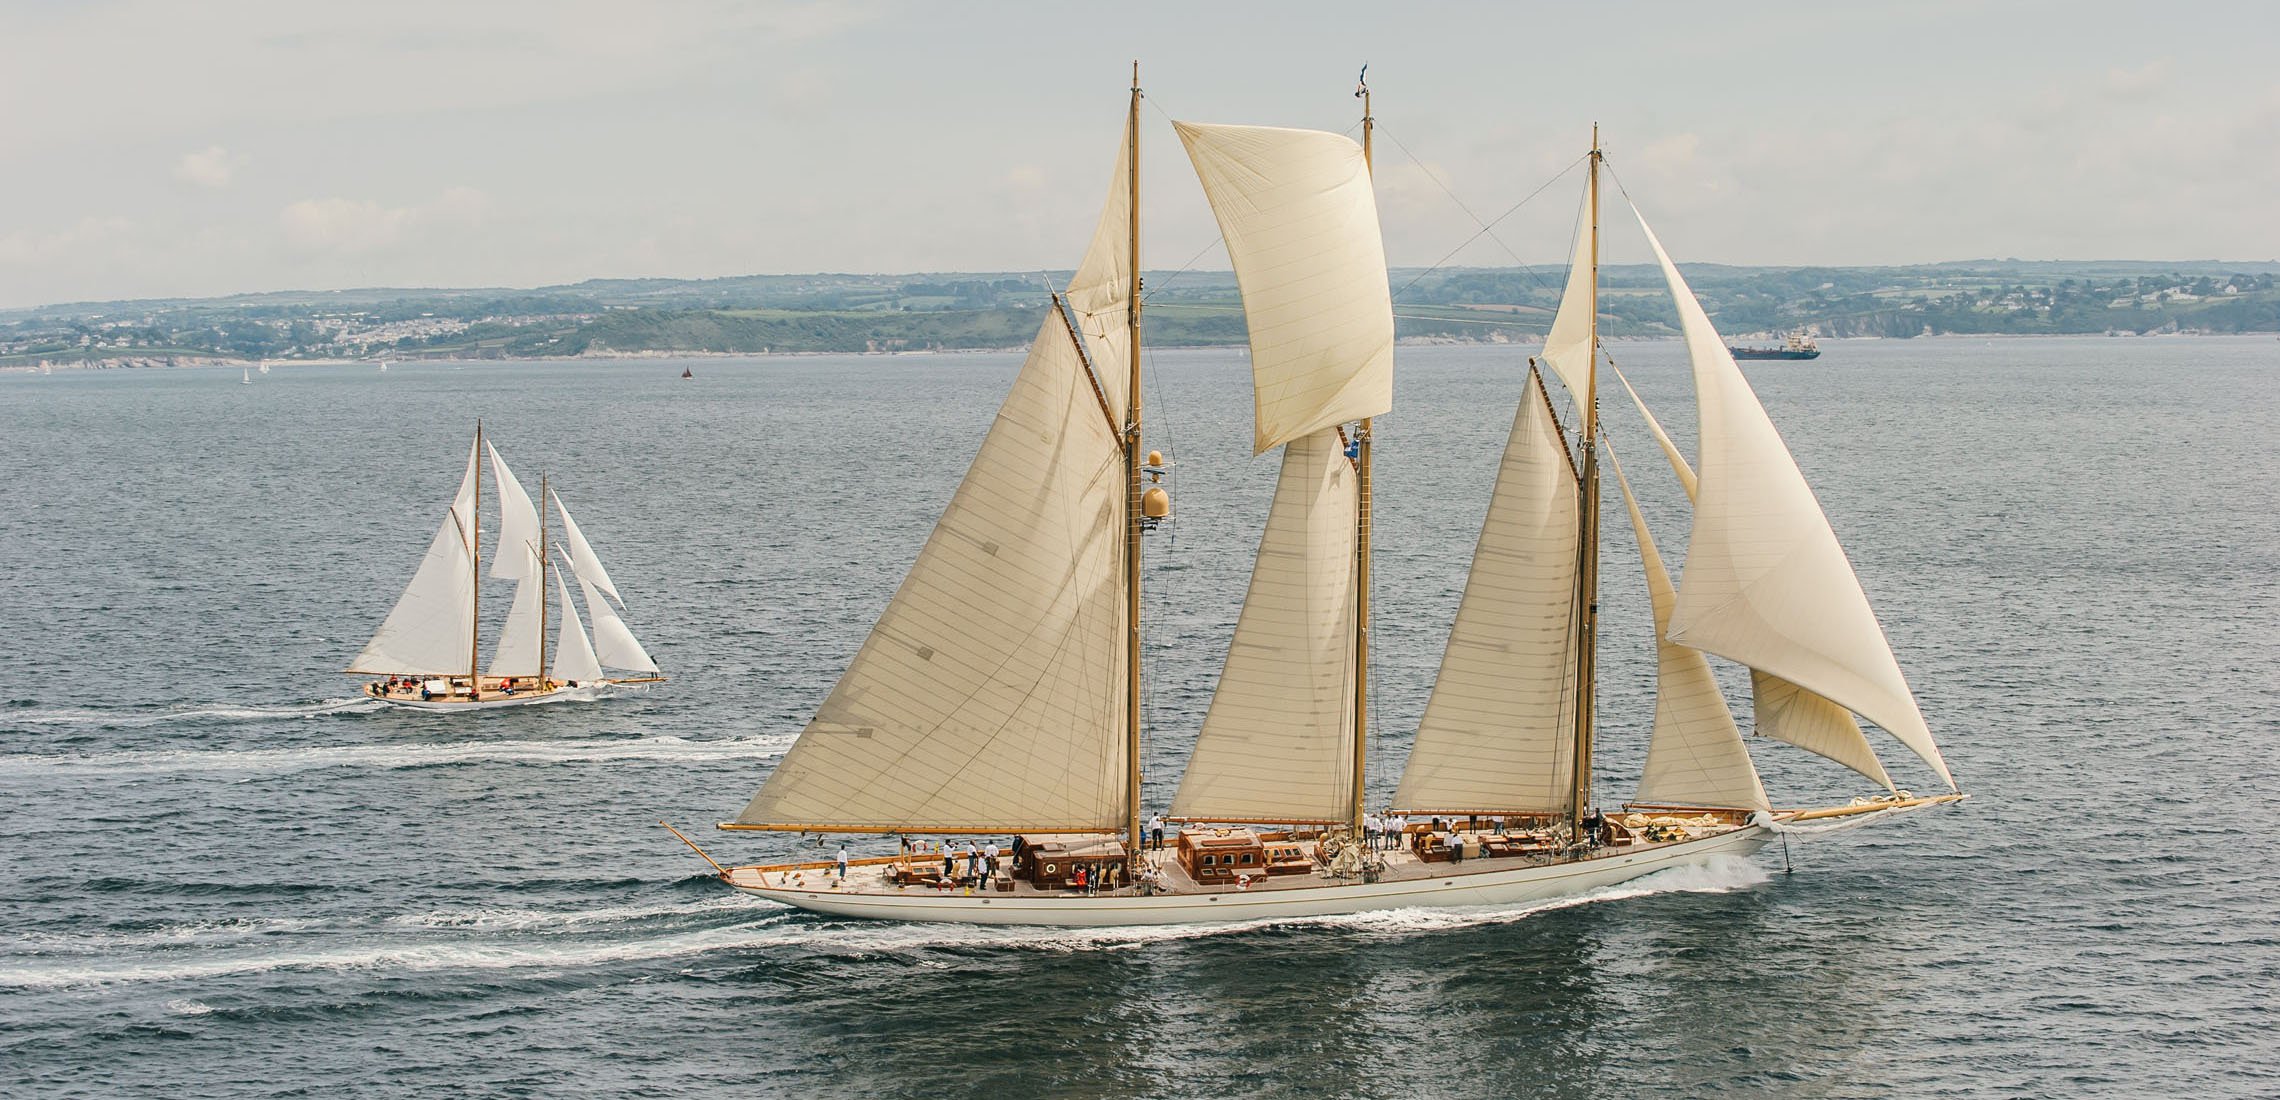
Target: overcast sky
x: 195, y: 149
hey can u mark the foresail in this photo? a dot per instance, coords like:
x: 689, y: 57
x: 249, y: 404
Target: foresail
x: 990, y: 695
x: 613, y: 643
x: 1767, y: 583
x: 1695, y: 757
x: 1498, y: 732
x: 1277, y: 744
x: 1782, y: 710
x: 431, y: 630
x: 583, y: 561
x: 517, y: 556
x: 1300, y: 219
x: 573, y: 656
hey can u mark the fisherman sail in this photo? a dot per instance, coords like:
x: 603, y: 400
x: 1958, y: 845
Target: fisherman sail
x: 998, y: 694
x: 429, y: 649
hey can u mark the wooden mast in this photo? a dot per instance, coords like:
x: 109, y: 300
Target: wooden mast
x: 1587, y: 544
x: 1357, y: 810
x: 542, y: 592
x: 1132, y: 490
x: 475, y: 554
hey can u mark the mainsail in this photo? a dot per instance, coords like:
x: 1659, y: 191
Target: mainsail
x: 1767, y: 583
x: 1277, y: 744
x: 991, y: 694
x: 1695, y: 757
x: 1300, y: 219
x: 431, y: 630
x: 573, y: 657
x: 1497, y: 733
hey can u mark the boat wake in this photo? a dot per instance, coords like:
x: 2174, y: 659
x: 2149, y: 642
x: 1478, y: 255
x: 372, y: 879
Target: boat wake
x: 150, y: 715
x: 400, y: 755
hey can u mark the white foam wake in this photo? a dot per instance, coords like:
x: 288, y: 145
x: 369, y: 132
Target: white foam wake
x: 400, y: 755
x: 144, y: 716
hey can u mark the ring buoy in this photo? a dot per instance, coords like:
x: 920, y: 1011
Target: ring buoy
x: 1051, y: 868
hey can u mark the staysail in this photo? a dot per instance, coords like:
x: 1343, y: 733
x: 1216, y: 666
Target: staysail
x: 1497, y: 733
x: 1277, y: 743
x: 517, y: 558
x: 573, y: 656
x: 1767, y: 583
x: 583, y: 560
x: 1695, y: 756
x: 431, y: 630
x: 518, y: 650
x: 1782, y: 710
x: 990, y: 696
x: 613, y: 643
x: 1300, y: 220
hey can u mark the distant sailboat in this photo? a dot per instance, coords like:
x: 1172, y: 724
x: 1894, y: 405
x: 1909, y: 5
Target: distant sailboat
x: 265, y: 366
x: 245, y: 377
x: 429, y: 648
x: 383, y: 366
x: 687, y: 373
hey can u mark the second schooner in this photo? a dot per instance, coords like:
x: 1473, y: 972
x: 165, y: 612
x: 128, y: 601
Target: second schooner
x: 998, y: 694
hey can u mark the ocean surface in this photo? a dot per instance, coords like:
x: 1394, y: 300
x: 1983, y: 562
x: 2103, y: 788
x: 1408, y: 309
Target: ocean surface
x: 221, y: 874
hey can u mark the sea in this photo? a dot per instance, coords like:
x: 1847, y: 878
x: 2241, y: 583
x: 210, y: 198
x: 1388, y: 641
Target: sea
x: 224, y: 874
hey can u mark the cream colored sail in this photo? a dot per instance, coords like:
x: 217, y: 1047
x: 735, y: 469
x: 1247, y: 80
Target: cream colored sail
x: 1498, y: 732
x: 1782, y: 710
x: 517, y: 653
x: 1100, y: 293
x: 517, y: 557
x: 1695, y: 757
x: 1300, y: 219
x: 431, y: 630
x: 573, y: 655
x: 1767, y: 583
x: 990, y: 695
x: 613, y: 643
x: 583, y: 560
x: 1277, y: 744
x: 1567, y: 347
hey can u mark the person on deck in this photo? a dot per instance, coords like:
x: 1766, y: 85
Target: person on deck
x: 840, y: 863
x: 949, y: 862
x: 1077, y: 877
x: 989, y: 863
x: 1156, y: 832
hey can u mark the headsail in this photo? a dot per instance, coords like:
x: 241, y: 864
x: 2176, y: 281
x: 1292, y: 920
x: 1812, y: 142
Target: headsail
x: 517, y: 557
x: 583, y: 561
x: 573, y: 655
x: 1767, y: 583
x: 518, y: 650
x: 613, y: 643
x: 1497, y: 733
x: 1782, y: 710
x: 431, y: 630
x: 1277, y: 744
x: 1695, y: 756
x: 1300, y: 219
x: 991, y: 694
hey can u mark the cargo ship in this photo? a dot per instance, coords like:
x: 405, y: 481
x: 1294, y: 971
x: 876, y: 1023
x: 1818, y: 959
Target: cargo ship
x: 1797, y: 346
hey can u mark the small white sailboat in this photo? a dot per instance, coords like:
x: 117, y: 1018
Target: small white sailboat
x: 265, y: 366
x: 428, y: 651
x: 383, y: 366
x: 245, y: 377
x: 999, y: 693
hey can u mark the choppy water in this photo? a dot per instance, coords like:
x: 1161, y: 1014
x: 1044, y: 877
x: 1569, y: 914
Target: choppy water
x: 223, y: 875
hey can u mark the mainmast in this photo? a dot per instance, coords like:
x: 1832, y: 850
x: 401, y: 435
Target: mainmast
x: 1362, y: 546
x: 475, y: 554
x: 1132, y: 490
x: 542, y: 594
x: 1587, y: 543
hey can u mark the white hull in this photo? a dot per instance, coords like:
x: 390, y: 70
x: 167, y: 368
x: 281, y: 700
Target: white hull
x: 519, y: 699
x: 1535, y: 882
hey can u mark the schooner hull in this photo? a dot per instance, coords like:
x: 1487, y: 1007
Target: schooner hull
x: 520, y: 699
x: 1517, y: 885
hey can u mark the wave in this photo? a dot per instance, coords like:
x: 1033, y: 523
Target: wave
x: 401, y: 755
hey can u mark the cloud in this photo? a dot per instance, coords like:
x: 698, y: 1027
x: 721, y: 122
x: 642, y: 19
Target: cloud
x: 362, y: 226
x: 211, y: 166
x: 2143, y: 80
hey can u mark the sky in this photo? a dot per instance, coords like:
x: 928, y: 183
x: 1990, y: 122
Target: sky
x: 164, y: 149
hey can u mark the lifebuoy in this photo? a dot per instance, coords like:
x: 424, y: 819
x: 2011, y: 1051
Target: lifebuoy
x: 1051, y: 868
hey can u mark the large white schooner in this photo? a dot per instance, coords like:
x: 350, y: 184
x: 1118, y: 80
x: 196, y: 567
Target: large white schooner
x: 998, y: 695
x: 429, y: 649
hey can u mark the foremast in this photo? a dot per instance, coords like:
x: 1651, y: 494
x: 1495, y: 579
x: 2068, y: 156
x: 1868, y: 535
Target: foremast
x: 475, y: 556
x: 542, y: 600
x: 1132, y: 487
x: 1362, y: 441
x: 1586, y: 637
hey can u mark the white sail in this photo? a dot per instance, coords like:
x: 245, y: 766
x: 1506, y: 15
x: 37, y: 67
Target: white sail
x: 1277, y: 744
x: 517, y: 556
x: 1783, y: 711
x: 1695, y: 757
x: 1498, y: 732
x: 991, y: 693
x: 613, y: 643
x: 583, y: 561
x: 431, y: 630
x: 1300, y: 219
x: 1767, y: 583
x: 574, y: 660
x: 1567, y: 347
x: 517, y: 653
